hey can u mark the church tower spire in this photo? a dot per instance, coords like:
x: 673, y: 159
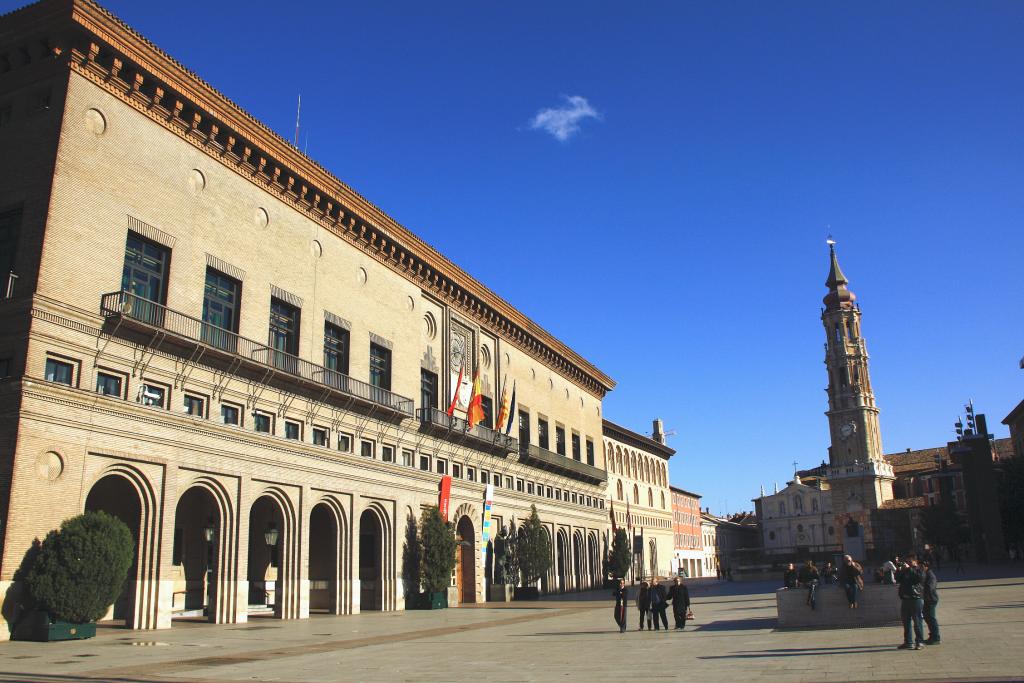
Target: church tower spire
x: 859, y: 476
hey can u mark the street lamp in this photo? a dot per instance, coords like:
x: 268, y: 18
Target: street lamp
x: 209, y: 531
x: 270, y: 536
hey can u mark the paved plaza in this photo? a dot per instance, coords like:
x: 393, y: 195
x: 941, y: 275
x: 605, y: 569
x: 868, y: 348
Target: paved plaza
x: 732, y: 639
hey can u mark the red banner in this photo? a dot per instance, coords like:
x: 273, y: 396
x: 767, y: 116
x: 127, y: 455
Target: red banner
x: 445, y: 496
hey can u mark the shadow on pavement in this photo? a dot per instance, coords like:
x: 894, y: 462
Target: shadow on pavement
x: 739, y: 624
x: 801, y: 652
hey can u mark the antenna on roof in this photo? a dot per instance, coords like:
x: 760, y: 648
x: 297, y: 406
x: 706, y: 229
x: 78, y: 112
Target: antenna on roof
x: 298, y: 111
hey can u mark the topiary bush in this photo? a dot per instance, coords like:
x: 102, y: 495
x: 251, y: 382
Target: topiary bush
x: 533, y: 549
x: 437, y: 551
x: 81, y: 568
x: 621, y: 555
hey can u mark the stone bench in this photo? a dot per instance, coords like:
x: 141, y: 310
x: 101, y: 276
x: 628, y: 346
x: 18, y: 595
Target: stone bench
x: 877, y: 605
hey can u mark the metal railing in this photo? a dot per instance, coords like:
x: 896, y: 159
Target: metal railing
x: 154, y: 315
x: 567, y: 465
x: 457, y: 425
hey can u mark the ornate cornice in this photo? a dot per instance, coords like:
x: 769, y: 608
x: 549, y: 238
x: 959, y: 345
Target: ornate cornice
x: 100, y: 47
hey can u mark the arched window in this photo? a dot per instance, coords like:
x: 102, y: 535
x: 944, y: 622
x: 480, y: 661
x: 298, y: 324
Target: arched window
x: 619, y: 489
x: 650, y: 498
x: 798, y: 505
x: 782, y: 507
x: 814, y: 505
x: 636, y: 494
x: 662, y: 500
x: 633, y: 467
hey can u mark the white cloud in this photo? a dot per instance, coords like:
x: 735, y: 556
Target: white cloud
x: 564, y: 122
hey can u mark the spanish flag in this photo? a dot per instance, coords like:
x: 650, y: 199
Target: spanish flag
x: 475, y: 411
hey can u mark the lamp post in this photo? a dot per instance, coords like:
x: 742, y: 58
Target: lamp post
x: 270, y: 536
x: 209, y: 535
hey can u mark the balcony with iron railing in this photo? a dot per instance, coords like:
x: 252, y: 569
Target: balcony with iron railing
x: 209, y: 342
x: 545, y: 459
x: 457, y: 429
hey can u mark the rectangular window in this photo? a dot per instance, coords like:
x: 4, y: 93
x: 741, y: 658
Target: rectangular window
x: 550, y: 492
x: 524, y: 429
x: 497, y: 481
x: 519, y: 485
x: 110, y: 384
x: 456, y: 471
x: 542, y: 433
x: 407, y: 457
x: 60, y: 371
x: 471, y: 474
x: 292, y: 430
x: 529, y: 487
x: 442, y: 466
x: 387, y: 453
x: 488, y: 405
x: 263, y: 422
x: 428, y: 389
x: 560, y: 440
x: 344, y: 442
x: 367, y: 449
x: 336, y: 348
x: 231, y: 414
x: 145, y: 275
x: 284, y: 334
x: 576, y: 455
x: 320, y: 437
x: 221, y: 303
x: 425, y: 463
x: 508, y: 482
x: 485, y: 478
x: 5, y: 367
x: 590, y: 452
x: 380, y: 366
x: 195, y: 405
x: 10, y: 226
x: 153, y: 395
x: 558, y: 494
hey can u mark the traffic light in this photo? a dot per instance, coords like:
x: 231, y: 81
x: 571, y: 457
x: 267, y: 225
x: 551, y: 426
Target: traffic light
x: 970, y: 417
x: 959, y: 428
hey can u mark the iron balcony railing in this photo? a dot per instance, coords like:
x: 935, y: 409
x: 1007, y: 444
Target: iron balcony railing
x: 458, y: 427
x: 569, y: 466
x: 132, y: 307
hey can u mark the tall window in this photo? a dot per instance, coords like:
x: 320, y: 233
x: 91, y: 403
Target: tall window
x: 428, y: 389
x: 488, y: 405
x: 145, y: 276
x: 335, y: 348
x: 560, y: 440
x: 380, y: 366
x: 284, y: 334
x: 576, y: 455
x: 590, y: 452
x: 10, y: 223
x: 221, y: 298
x: 542, y: 433
x: 524, y: 429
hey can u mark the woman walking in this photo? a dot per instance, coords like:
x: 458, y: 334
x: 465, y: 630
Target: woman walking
x: 643, y: 603
x: 620, y: 595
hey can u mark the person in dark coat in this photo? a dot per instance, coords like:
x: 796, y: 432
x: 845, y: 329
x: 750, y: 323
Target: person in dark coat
x: 643, y: 603
x: 790, y: 577
x: 659, y: 603
x: 621, y: 599
x: 679, y: 594
x: 910, y: 580
x: 931, y: 601
x: 852, y: 577
x: 828, y: 574
x: 809, y: 578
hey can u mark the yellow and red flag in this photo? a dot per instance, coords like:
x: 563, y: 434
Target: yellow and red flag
x: 475, y: 411
x: 499, y: 424
x: 455, y: 394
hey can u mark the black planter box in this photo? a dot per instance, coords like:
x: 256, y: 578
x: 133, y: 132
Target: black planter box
x: 527, y: 593
x: 430, y: 601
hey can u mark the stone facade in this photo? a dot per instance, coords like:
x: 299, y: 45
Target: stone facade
x: 798, y: 521
x: 638, y: 484
x: 273, y: 459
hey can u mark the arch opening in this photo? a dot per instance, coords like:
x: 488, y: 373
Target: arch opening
x: 465, y: 565
x: 198, y: 535
x: 371, y: 562
x: 116, y: 496
x: 267, y: 565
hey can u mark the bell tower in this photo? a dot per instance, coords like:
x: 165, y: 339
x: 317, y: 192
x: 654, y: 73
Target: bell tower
x: 859, y: 477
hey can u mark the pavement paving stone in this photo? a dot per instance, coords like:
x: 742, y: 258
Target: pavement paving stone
x: 560, y: 639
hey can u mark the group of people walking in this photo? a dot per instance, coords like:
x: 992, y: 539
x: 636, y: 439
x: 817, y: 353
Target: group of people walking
x: 653, y: 601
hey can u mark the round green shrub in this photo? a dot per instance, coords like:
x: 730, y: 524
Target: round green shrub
x: 80, y: 568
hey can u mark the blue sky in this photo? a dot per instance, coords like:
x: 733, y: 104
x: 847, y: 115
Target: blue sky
x: 676, y: 237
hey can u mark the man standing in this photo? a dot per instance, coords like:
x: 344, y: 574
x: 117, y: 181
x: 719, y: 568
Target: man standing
x: 911, y: 590
x: 789, y: 577
x: 679, y: 594
x: 658, y: 604
x: 931, y: 601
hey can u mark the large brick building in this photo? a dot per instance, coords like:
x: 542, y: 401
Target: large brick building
x: 686, y: 533
x: 216, y: 340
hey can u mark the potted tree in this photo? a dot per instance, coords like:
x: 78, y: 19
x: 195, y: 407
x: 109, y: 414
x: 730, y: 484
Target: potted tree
x: 73, y: 577
x: 437, y: 558
x: 533, y: 553
x: 621, y: 556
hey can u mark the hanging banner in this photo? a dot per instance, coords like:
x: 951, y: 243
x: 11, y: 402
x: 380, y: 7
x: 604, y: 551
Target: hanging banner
x: 445, y: 496
x: 486, y: 527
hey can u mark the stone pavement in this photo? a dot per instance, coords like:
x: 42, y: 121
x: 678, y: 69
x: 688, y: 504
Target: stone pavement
x: 567, y: 639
